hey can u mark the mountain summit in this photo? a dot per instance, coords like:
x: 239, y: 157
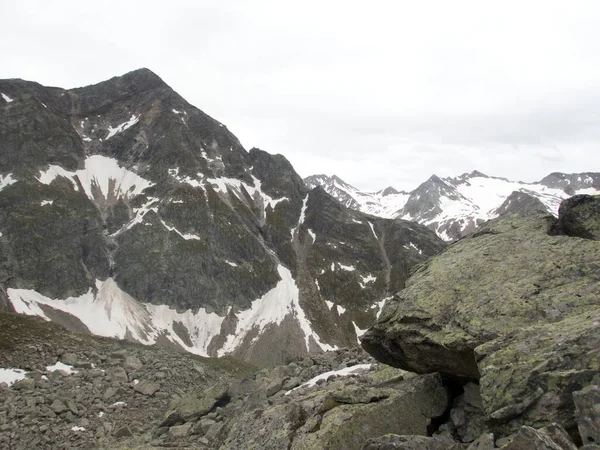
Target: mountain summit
x: 127, y: 212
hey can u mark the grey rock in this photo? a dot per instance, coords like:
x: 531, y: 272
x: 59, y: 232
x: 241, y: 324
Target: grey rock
x: 205, y: 424
x: 58, y: 407
x: 132, y: 363
x: 180, y: 431
x: 531, y: 439
x: 118, y: 374
x: 291, y: 383
x: 123, y: 432
x: 146, y: 387
x: 587, y: 403
x: 579, y: 216
x: 110, y: 393
x: 26, y: 384
x: 483, y: 442
x: 395, y: 442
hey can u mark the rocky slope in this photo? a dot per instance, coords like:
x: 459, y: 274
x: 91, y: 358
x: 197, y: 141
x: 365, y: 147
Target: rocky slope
x: 128, y: 212
x: 531, y: 381
x: 454, y: 207
x: 514, y: 307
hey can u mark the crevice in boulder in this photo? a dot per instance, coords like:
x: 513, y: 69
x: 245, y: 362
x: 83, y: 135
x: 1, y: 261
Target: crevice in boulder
x: 454, y: 390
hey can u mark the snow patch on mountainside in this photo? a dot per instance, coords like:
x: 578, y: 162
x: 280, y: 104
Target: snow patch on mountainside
x: 122, y: 127
x: 6, y: 98
x: 109, y: 311
x: 301, y: 218
x: 6, y: 180
x: 102, y: 179
x: 272, y: 308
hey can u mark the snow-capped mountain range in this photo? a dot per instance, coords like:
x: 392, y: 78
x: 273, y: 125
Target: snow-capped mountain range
x: 127, y: 212
x: 453, y: 207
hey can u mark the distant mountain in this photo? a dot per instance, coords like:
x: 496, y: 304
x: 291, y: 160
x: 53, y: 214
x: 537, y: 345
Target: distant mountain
x: 127, y: 212
x: 453, y: 207
x: 384, y: 203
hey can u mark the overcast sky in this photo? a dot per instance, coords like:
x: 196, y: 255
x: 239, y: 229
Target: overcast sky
x: 380, y: 92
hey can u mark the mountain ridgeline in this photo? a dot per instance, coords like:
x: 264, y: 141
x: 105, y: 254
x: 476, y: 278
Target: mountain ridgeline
x: 455, y: 207
x: 127, y: 212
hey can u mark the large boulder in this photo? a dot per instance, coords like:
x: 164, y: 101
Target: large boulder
x: 515, y: 306
x: 580, y: 216
x: 342, y: 415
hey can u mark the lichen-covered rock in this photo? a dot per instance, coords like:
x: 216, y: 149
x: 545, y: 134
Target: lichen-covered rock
x: 341, y: 414
x: 587, y: 402
x: 580, y: 216
x: 195, y: 404
x: 513, y: 304
x: 483, y: 442
x: 395, y: 442
x: 531, y: 439
x: 528, y: 376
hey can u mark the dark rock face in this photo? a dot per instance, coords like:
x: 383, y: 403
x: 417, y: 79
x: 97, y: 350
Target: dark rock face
x: 521, y: 203
x: 574, y: 181
x: 580, y: 216
x: 125, y: 193
x: 511, y: 306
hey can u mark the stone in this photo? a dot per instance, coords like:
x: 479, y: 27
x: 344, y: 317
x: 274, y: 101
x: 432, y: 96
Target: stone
x: 343, y: 416
x: 146, y: 387
x: 132, y: 363
x: 273, y: 387
x: 395, y: 442
x: 579, y: 216
x: 110, y: 393
x: 291, y: 383
x: 483, y: 442
x: 118, y: 374
x: 180, y: 431
x: 26, y: 384
x: 587, y: 404
x: 58, y: 407
x: 123, y: 432
x: 195, y: 404
x: 531, y: 439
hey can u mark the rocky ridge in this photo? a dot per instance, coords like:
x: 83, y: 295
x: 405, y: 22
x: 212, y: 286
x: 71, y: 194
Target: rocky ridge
x: 127, y: 212
x: 455, y: 206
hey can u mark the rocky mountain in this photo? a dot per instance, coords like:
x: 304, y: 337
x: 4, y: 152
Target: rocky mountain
x: 454, y: 207
x: 530, y: 380
x: 127, y: 212
x: 384, y: 203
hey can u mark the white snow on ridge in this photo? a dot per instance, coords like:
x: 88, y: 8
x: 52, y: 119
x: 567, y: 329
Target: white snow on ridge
x: 46, y: 202
x: 347, y: 268
x: 122, y: 127
x: 101, y: 174
x: 11, y: 376
x: 6, y: 180
x: 7, y: 98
